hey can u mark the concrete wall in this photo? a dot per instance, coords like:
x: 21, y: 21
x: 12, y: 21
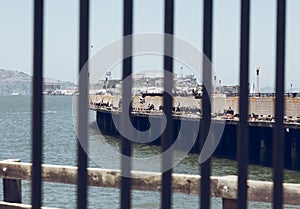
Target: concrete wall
x: 257, y: 105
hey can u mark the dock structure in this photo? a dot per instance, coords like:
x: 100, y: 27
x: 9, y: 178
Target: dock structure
x: 260, y: 106
x: 187, y: 109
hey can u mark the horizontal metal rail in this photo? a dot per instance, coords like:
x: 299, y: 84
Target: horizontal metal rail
x: 222, y: 187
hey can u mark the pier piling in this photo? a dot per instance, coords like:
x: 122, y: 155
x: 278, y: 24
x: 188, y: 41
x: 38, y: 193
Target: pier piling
x: 12, y: 188
x: 229, y: 203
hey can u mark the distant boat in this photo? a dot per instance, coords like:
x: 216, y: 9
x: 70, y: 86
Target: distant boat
x: 15, y: 94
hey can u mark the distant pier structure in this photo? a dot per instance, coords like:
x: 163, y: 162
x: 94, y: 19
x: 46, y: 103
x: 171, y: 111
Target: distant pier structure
x: 224, y: 110
x: 51, y: 87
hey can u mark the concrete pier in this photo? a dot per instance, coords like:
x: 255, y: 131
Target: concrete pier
x: 260, y: 133
x: 260, y: 144
x: 260, y: 106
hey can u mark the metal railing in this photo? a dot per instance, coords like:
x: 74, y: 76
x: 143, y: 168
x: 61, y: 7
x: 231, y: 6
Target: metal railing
x: 166, y: 183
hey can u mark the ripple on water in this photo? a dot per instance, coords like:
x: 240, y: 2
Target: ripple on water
x: 60, y: 147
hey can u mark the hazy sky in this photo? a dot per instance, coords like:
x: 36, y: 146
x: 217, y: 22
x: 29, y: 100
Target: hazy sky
x: 62, y: 24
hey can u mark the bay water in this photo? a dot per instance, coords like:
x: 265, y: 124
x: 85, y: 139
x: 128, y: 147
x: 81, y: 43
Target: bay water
x: 60, y: 148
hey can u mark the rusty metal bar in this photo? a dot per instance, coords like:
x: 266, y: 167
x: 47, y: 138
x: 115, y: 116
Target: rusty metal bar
x: 126, y: 149
x: 37, y: 105
x: 82, y: 148
x: 243, y: 105
x: 206, y: 103
x: 278, y: 149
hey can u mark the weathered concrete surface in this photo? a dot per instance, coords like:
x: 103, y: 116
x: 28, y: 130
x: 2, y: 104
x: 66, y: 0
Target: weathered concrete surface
x: 7, y: 205
x: 223, y: 187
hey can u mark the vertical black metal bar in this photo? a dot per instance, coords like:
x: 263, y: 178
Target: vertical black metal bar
x: 126, y: 149
x: 37, y: 106
x: 206, y: 105
x: 243, y: 105
x: 278, y: 149
x: 167, y: 138
x: 82, y: 159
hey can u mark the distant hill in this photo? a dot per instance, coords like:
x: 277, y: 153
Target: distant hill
x: 12, y: 81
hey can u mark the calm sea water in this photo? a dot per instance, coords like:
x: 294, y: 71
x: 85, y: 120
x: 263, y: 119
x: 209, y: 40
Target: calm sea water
x: 60, y: 149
